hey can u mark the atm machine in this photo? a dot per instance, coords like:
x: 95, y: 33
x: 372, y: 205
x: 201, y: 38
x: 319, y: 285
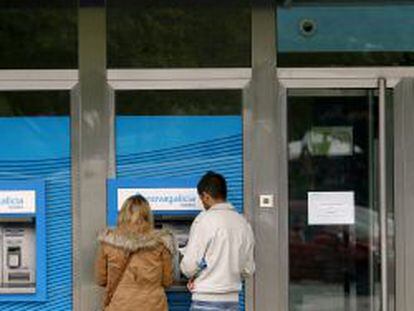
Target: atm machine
x: 175, y: 204
x: 18, y: 260
x: 22, y: 241
x: 179, y: 225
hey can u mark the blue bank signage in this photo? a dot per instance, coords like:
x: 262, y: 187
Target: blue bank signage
x: 164, y: 199
x: 167, y: 196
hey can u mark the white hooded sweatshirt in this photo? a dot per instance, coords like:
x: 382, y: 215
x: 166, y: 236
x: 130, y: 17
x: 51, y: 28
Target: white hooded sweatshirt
x: 224, y: 239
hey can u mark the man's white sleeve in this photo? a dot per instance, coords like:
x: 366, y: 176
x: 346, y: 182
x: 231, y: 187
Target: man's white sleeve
x: 249, y: 265
x: 195, y: 249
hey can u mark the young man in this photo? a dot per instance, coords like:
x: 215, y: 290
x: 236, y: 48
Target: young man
x: 219, y: 252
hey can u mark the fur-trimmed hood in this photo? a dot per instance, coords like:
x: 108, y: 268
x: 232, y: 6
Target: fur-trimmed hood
x: 132, y: 242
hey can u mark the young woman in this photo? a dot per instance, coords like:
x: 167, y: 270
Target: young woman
x: 135, y: 262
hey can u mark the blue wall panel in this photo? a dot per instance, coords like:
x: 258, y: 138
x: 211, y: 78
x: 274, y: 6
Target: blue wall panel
x: 186, y: 147
x: 347, y: 28
x: 39, y: 148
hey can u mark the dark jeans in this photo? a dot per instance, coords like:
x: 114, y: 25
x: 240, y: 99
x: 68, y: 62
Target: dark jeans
x: 214, y: 306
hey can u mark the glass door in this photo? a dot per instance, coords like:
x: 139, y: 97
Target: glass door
x: 340, y: 211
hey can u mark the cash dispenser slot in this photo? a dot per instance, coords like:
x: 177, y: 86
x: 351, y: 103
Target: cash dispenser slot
x: 19, y: 277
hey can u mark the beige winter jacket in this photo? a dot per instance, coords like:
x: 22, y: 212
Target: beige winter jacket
x: 148, y: 273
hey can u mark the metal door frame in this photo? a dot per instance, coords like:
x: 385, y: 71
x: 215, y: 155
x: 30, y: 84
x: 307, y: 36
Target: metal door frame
x: 341, y: 78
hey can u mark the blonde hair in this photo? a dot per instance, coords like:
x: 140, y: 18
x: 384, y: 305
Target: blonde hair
x: 136, y: 214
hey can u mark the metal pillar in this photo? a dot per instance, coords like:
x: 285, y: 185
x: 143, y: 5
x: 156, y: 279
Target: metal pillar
x: 404, y: 193
x: 91, y: 119
x: 268, y: 164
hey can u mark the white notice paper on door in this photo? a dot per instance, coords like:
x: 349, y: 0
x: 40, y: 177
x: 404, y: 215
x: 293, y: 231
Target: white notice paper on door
x: 331, y: 208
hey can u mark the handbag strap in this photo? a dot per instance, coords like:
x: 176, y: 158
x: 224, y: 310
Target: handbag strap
x: 118, y: 280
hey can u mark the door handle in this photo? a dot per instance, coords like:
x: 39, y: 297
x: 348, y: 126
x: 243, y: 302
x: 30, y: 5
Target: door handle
x: 383, y: 193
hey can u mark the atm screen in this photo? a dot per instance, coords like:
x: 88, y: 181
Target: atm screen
x: 178, y: 225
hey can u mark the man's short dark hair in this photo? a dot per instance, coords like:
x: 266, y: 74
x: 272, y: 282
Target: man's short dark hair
x: 214, y: 184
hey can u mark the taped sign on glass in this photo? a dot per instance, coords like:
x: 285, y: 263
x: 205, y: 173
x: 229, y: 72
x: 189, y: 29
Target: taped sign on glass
x: 164, y: 199
x: 331, y: 208
x: 17, y: 201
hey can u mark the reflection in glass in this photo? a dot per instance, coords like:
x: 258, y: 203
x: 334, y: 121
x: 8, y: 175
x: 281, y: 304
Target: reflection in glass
x: 177, y: 102
x: 164, y: 33
x: 34, y: 103
x: 41, y: 34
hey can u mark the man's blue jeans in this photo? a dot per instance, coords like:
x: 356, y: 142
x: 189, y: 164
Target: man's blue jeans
x: 214, y: 306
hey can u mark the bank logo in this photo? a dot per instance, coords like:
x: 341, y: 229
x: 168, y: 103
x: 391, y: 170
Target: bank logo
x: 182, y: 200
x: 17, y: 201
x: 12, y: 202
x: 164, y: 199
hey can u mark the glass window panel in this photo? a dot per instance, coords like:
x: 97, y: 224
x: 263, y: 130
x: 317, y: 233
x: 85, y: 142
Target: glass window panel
x: 38, y: 103
x: 163, y: 33
x: 334, y: 265
x: 198, y: 102
x: 41, y: 34
x: 311, y: 36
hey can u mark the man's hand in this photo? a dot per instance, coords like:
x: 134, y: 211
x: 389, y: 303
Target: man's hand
x: 190, y: 284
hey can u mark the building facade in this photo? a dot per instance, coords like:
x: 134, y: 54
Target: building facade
x: 306, y: 108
